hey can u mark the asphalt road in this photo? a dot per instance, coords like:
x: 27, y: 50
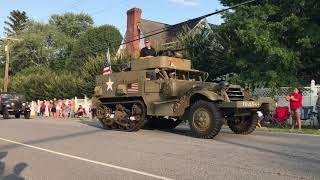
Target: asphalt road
x: 70, y: 149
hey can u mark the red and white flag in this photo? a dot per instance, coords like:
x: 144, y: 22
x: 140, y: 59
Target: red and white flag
x: 134, y: 88
x: 107, y: 65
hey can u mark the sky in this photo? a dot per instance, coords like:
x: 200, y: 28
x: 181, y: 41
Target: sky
x: 114, y: 12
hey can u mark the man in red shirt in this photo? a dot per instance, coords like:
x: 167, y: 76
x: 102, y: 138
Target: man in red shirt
x: 295, y: 100
x: 42, y: 108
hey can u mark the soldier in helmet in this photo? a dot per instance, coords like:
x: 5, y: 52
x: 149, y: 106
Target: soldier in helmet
x: 148, y: 50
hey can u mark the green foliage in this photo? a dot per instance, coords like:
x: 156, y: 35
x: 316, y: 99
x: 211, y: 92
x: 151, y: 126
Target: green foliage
x: 206, y: 52
x: 43, y: 83
x: 72, y: 24
x: 16, y: 22
x: 41, y: 44
x: 97, y: 41
x: 60, y: 59
x: 273, y: 43
x: 91, y: 68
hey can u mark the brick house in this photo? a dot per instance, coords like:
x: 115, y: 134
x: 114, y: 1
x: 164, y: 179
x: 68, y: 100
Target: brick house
x: 138, y: 27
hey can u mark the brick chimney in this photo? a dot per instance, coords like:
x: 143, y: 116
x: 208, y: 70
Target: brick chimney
x: 133, y: 18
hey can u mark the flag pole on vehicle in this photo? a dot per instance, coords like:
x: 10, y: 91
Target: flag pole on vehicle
x: 107, y: 65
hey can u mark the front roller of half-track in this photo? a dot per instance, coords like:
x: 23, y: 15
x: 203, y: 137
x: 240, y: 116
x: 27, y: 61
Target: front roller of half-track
x: 243, y: 124
x: 205, y: 119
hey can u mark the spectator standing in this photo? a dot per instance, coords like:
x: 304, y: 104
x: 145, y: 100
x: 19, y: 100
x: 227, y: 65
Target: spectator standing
x: 58, y: 108
x: 46, y: 111
x: 35, y: 109
x: 318, y: 110
x: 68, y: 109
x: 295, y: 100
x: 49, y: 108
x: 63, y: 108
x: 93, y: 109
x: 42, y: 108
x: 73, y: 107
x: 53, y: 109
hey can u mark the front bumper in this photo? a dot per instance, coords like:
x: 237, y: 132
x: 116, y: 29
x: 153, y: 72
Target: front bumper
x: 13, y: 111
x: 240, y: 105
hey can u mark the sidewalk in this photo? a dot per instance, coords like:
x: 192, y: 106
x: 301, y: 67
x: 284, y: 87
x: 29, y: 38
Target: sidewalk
x: 286, y: 130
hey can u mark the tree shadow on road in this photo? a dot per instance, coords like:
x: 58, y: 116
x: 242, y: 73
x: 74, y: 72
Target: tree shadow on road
x: 184, y: 131
x: 265, y: 150
x: 17, y: 170
x: 220, y: 138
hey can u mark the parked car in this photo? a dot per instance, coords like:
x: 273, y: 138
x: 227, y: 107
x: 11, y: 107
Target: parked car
x: 14, y: 104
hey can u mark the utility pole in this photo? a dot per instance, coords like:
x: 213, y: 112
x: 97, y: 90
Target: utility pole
x: 6, y: 70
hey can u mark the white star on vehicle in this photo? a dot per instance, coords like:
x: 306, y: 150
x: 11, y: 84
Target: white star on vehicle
x: 109, y: 84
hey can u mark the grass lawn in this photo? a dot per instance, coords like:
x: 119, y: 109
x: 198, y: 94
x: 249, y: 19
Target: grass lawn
x: 305, y: 129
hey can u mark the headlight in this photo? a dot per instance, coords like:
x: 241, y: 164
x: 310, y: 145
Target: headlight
x: 23, y: 104
x: 12, y: 104
x: 8, y: 105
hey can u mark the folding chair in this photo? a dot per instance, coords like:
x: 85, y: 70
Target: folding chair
x: 281, y: 115
x: 307, y: 114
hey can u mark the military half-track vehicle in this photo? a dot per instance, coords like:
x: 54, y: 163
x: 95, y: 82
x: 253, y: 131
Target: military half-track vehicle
x: 14, y: 104
x: 164, y: 91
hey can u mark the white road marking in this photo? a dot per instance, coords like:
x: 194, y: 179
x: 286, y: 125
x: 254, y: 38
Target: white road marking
x: 88, y: 160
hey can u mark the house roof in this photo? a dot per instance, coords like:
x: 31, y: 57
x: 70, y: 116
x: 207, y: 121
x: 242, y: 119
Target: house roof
x: 148, y: 27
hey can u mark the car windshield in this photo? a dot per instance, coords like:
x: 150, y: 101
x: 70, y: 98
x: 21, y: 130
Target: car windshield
x: 11, y: 97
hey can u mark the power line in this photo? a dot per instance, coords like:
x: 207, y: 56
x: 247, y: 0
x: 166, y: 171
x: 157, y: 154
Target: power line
x: 71, y: 6
x: 161, y: 30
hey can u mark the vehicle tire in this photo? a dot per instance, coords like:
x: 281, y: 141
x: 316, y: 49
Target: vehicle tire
x: 17, y: 115
x: 243, y: 125
x: 27, y: 115
x: 163, y: 123
x: 205, y: 120
x: 5, y: 113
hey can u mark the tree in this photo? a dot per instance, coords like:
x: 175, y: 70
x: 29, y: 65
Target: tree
x: 42, y: 83
x: 93, y: 42
x: 206, y: 53
x: 71, y: 24
x: 41, y: 44
x: 273, y: 43
x: 16, y: 23
x: 91, y: 68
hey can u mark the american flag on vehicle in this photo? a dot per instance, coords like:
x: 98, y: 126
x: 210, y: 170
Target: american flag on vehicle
x: 107, y: 65
x: 134, y: 88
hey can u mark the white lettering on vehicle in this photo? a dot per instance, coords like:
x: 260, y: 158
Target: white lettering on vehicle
x: 250, y: 104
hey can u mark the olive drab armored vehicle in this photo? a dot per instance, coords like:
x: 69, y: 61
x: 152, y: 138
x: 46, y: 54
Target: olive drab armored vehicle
x: 14, y: 104
x: 163, y: 91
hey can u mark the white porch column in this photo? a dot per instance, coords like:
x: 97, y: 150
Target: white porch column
x: 313, y: 92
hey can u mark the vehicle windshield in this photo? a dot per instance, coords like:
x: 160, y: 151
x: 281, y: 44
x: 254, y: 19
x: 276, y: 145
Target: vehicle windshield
x: 11, y: 97
x: 178, y: 75
x: 187, y: 75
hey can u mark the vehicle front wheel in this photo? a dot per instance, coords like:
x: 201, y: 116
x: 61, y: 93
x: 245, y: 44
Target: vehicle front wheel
x: 17, y: 115
x: 205, y: 120
x: 27, y: 115
x: 243, y: 124
x: 5, y: 112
